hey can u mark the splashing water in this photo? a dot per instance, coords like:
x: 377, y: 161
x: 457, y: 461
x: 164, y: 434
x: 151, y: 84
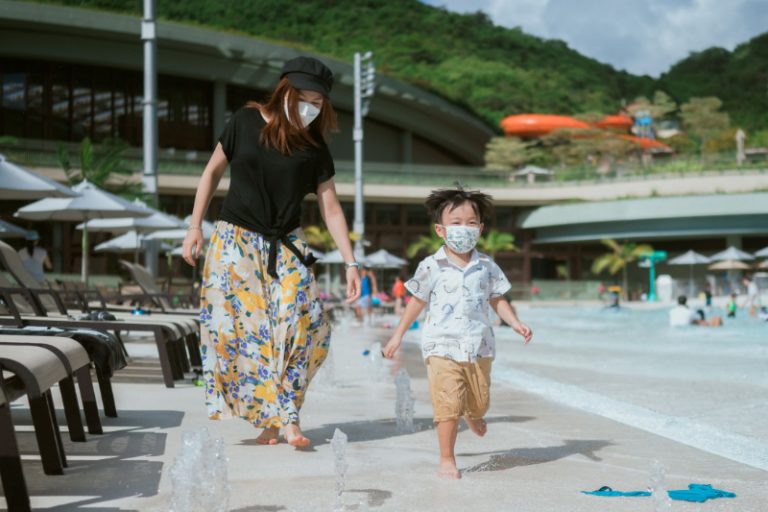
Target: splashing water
x: 199, y: 474
x: 375, y: 361
x: 339, y: 446
x: 661, y: 500
x: 404, y: 403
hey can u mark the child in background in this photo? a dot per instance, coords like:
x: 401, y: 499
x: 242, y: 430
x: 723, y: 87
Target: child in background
x: 456, y: 284
x: 730, y: 308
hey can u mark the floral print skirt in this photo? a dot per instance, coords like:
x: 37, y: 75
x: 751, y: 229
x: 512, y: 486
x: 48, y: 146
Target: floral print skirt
x: 263, y: 338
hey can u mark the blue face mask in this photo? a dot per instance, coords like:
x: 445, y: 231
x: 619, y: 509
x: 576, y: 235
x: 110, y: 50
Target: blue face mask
x: 461, y: 239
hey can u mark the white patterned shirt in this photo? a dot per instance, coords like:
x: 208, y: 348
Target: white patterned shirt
x: 457, y: 325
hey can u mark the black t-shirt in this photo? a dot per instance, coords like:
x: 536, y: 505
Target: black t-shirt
x: 266, y: 187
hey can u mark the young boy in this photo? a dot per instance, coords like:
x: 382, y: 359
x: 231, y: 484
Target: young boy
x: 456, y: 284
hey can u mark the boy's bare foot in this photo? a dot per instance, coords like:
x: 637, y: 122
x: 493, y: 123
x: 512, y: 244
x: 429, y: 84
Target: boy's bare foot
x: 294, y: 437
x: 478, y: 426
x: 269, y: 436
x: 448, y: 469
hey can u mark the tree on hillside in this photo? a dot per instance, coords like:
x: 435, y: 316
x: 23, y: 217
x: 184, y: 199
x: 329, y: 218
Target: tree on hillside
x: 702, y: 118
x: 617, y: 259
x: 508, y: 153
x: 661, y: 106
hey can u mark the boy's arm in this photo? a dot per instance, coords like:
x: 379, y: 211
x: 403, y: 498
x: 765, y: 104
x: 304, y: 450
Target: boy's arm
x: 412, y: 311
x: 507, y: 313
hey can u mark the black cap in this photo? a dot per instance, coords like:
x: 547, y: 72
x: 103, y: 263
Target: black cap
x: 308, y: 73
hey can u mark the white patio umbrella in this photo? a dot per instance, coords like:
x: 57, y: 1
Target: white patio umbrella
x: 384, y: 259
x: 762, y: 253
x: 8, y: 230
x: 732, y: 253
x: 180, y: 233
x: 158, y: 220
x: 127, y: 242
x: 729, y: 265
x: 690, y: 258
x: 92, y: 203
x: 19, y: 183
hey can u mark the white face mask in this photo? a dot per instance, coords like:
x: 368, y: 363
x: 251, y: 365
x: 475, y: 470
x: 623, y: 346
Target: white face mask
x: 307, y: 112
x: 461, y: 239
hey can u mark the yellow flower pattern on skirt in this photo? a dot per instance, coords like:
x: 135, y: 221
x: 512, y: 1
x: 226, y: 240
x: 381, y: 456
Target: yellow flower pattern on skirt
x: 263, y: 339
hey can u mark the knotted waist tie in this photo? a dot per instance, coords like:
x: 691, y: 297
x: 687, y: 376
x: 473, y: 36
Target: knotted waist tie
x: 307, y: 260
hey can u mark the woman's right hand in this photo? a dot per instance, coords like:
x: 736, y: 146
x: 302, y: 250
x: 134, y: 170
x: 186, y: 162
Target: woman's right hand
x: 192, y: 245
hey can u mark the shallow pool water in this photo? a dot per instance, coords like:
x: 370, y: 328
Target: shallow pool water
x: 701, y: 385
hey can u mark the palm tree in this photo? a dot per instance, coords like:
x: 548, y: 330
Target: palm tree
x: 618, y: 258
x: 496, y: 241
x: 319, y: 237
x: 428, y: 244
x: 100, y: 166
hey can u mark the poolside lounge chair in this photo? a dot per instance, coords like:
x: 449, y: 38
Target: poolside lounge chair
x: 77, y: 363
x: 167, y: 335
x: 49, y: 301
x: 153, y: 294
x: 11, y: 474
x: 33, y: 371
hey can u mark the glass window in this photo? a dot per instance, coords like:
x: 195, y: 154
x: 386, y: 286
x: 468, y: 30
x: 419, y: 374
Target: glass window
x: 14, y: 102
x: 60, y: 98
x: 102, y: 107
x: 14, y: 91
x: 82, y: 110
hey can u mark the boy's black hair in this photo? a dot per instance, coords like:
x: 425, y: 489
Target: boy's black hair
x: 451, y: 198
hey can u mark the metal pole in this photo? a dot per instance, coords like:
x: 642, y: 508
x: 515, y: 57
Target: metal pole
x: 149, y: 101
x: 358, y: 226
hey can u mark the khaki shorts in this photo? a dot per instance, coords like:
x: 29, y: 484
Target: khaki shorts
x: 459, y: 389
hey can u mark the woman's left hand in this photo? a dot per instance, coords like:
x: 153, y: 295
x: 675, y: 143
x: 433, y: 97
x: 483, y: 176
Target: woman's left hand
x: 353, y: 285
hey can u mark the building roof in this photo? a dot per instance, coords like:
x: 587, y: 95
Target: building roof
x: 51, y: 32
x: 653, y: 218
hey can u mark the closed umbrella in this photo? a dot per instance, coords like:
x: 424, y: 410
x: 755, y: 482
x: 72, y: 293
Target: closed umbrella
x: 733, y: 254
x: 690, y: 258
x: 8, y: 230
x: 91, y: 203
x: 19, y: 183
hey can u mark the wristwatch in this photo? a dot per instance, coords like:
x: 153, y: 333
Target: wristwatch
x: 352, y: 264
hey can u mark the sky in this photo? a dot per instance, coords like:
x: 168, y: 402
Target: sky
x: 639, y: 36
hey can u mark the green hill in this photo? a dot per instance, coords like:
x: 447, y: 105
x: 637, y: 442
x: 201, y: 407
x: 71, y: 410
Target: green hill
x: 739, y: 78
x: 491, y: 70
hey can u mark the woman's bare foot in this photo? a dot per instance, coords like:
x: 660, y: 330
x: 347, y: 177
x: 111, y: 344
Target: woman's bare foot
x: 294, y: 437
x: 478, y: 426
x: 269, y: 436
x: 448, y: 469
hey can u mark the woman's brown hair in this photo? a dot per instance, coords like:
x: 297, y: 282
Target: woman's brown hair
x: 283, y: 135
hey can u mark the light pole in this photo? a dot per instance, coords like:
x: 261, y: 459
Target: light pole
x: 364, y: 89
x: 149, y: 137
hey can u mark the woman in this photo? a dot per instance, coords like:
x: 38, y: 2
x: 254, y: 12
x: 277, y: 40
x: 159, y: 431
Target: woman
x: 263, y: 329
x: 34, y: 257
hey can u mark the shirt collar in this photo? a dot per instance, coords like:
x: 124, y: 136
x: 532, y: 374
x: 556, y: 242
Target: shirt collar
x: 476, y: 256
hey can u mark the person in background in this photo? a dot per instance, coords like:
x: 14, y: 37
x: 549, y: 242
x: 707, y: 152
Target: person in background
x: 753, y: 295
x: 398, y: 292
x: 34, y: 257
x: 730, y: 308
x: 708, y: 295
x: 368, y: 289
x: 681, y: 315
